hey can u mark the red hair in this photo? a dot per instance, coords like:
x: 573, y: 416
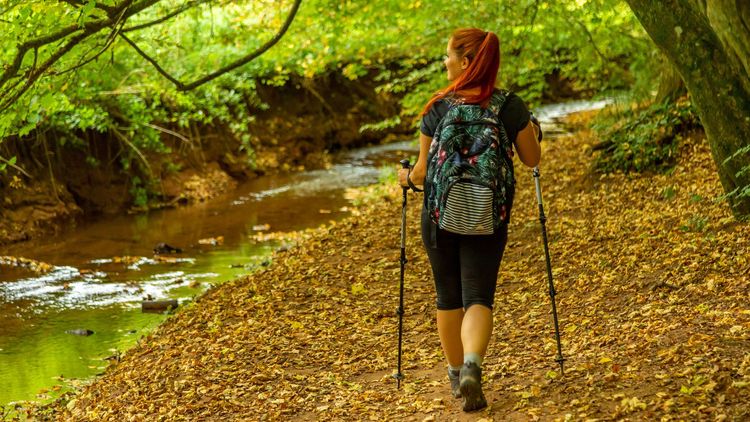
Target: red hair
x: 483, y: 51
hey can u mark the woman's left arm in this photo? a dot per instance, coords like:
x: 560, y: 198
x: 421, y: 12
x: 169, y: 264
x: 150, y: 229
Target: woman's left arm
x: 419, y: 171
x: 527, y: 146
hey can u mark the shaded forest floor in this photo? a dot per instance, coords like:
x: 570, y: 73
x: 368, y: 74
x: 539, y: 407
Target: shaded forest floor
x: 652, y: 275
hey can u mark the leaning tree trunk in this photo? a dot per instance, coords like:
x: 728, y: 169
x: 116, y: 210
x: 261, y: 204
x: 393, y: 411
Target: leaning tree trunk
x: 708, y: 41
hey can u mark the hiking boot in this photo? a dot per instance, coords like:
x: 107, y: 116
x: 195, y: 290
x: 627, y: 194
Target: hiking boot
x: 470, y: 386
x: 455, y: 384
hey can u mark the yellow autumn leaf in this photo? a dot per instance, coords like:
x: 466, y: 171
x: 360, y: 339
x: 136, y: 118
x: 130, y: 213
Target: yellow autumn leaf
x: 358, y: 288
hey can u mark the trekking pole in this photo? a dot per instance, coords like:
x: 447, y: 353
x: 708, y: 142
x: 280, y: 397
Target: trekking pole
x: 400, y: 311
x: 559, y: 358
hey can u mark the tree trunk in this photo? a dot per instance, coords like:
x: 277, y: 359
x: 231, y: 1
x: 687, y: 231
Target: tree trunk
x: 708, y: 41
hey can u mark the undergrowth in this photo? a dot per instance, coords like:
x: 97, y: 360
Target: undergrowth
x: 642, y: 138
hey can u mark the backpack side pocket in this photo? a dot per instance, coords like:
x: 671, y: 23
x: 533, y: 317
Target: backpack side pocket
x: 467, y: 208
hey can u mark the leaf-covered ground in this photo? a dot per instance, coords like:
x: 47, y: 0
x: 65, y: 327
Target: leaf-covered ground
x: 652, y: 277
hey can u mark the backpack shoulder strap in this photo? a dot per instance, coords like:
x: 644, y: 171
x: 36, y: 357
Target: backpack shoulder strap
x: 452, y: 103
x: 498, y: 100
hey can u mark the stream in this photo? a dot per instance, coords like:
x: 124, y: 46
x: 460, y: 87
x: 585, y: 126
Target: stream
x: 103, y: 269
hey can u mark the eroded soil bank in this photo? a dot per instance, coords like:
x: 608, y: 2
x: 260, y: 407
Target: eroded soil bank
x: 304, y: 121
x: 652, y: 280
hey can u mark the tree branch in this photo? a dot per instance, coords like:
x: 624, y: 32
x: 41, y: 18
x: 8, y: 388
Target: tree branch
x: 527, y: 34
x: 593, y: 43
x: 171, y: 132
x: 228, y: 68
x: 12, y: 70
x: 119, y: 135
x: 110, y: 39
x: 251, y: 56
x: 124, y: 10
x: 35, y: 74
x: 15, y: 166
x: 24, y: 47
x: 153, y: 62
x: 184, y: 7
x: 117, y: 16
x: 36, y: 58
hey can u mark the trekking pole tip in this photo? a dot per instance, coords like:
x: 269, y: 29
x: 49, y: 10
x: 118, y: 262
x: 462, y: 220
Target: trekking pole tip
x: 561, y: 360
x: 398, y: 376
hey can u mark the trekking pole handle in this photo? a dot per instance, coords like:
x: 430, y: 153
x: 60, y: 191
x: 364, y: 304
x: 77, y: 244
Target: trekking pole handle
x: 538, y: 187
x: 404, y: 164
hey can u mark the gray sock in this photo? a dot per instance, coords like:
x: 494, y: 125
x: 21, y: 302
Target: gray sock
x: 453, y: 372
x: 473, y: 358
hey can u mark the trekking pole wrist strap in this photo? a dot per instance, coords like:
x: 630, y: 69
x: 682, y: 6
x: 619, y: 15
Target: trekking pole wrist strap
x: 411, y: 184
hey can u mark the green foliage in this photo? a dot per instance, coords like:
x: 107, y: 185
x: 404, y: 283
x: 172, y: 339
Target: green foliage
x: 382, y: 125
x: 594, y: 46
x: 668, y: 193
x: 388, y: 175
x: 4, y: 163
x: 696, y: 223
x: 92, y: 161
x: 170, y: 167
x: 644, y: 138
x: 742, y: 191
x: 356, y: 39
x: 139, y: 192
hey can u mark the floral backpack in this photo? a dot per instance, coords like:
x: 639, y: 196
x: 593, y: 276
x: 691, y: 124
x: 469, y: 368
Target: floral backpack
x: 470, y: 183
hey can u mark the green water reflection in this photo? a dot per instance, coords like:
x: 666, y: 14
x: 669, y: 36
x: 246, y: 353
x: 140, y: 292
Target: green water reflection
x: 36, y: 353
x: 58, y: 356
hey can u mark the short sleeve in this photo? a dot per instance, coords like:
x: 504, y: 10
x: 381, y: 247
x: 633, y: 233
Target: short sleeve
x: 515, y: 116
x: 433, y: 117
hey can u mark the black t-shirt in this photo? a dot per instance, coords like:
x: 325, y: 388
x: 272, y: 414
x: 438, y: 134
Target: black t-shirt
x: 515, y: 116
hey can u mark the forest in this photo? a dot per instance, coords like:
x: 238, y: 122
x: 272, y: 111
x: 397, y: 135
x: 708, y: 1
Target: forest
x: 146, y: 78
x: 261, y: 139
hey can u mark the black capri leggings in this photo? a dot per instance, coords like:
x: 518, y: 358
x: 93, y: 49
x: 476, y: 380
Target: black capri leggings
x: 464, y: 267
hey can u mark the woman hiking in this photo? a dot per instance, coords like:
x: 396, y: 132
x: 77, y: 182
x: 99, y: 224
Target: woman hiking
x: 466, y: 212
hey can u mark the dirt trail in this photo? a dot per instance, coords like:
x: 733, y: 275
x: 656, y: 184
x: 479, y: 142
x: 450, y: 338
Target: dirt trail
x: 652, y: 278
